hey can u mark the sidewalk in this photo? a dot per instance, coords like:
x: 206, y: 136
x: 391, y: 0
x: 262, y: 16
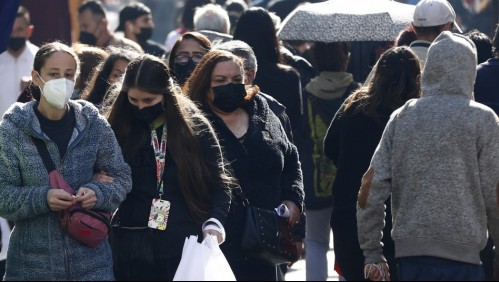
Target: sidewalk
x: 297, y: 271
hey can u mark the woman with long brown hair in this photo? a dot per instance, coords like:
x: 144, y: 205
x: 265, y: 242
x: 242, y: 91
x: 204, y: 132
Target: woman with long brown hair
x: 350, y: 142
x: 262, y: 158
x: 180, y: 186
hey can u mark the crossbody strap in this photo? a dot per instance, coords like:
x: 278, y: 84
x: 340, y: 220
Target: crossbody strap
x: 241, y: 195
x: 41, y: 147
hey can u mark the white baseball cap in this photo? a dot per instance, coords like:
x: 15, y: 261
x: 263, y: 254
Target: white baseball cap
x: 434, y: 13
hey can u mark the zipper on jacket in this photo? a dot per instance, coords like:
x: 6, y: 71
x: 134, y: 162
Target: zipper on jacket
x: 66, y: 258
x: 63, y: 233
x: 61, y: 167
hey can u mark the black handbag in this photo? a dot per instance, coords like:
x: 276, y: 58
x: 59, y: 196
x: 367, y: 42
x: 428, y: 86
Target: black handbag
x: 266, y: 235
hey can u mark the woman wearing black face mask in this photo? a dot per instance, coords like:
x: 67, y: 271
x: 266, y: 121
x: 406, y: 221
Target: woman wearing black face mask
x: 188, y: 50
x: 177, y: 167
x: 264, y: 161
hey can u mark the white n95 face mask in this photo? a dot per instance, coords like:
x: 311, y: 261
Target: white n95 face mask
x: 58, y: 91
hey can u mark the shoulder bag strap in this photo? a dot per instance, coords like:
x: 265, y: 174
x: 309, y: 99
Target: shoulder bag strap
x: 241, y: 195
x: 41, y: 147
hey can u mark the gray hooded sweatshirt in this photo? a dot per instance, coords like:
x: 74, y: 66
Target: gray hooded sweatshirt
x: 439, y: 159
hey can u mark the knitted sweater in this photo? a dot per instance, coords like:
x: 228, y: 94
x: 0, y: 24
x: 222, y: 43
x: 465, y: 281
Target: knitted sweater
x: 38, y: 249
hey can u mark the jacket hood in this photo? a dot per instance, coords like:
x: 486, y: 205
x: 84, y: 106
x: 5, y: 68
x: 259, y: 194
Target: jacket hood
x: 329, y: 85
x: 23, y: 116
x: 450, y: 67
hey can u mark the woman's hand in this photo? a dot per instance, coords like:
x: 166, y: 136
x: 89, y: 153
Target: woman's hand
x: 294, y: 212
x: 59, y: 199
x: 377, y: 271
x: 215, y: 233
x: 299, y: 251
x: 103, y: 177
x: 86, y: 197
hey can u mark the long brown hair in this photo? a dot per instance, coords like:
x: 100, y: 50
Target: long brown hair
x: 197, y: 177
x: 396, y: 80
x: 199, y: 83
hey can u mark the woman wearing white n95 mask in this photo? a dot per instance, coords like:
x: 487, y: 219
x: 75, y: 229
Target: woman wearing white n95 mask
x: 57, y: 91
x: 80, y: 143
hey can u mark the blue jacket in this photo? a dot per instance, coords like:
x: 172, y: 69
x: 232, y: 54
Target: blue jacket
x: 38, y: 249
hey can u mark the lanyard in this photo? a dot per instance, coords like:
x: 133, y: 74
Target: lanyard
x: 159, y: 154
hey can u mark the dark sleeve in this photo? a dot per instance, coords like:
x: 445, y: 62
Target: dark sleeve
x: 294, y: 106
x: 280, y: 111
x: 286, y: 124
x: 292, y: 178
x: 332, y: 139
x: 110, y: 159
x: 298, y: 230
x: 215, y: 161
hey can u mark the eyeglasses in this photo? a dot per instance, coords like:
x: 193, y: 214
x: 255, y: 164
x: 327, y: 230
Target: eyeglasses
x: 184, y: 58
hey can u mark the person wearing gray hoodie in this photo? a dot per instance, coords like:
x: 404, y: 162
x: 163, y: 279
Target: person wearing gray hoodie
x: 438, y: 161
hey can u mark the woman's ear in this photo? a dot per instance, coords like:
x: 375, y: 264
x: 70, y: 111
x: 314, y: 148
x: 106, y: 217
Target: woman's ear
x: 129, y: 27
x: 35, y: 78
x: 250, y: 76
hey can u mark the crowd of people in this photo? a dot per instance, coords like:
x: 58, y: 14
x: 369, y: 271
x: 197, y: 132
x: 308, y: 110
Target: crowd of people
x: 402, y: 167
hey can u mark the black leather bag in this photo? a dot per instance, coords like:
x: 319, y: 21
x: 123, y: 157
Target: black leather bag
x: 267, y: 236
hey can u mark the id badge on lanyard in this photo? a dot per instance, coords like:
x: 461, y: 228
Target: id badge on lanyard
x: 160, y: 209
x: 158, y: 218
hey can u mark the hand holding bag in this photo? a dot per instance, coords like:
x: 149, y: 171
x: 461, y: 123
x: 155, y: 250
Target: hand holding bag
x: 266, y: 235
x: 89, y: 227
x: 203, y: 262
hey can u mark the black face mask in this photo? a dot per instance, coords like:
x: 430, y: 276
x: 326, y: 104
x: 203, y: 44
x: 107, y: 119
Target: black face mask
x: 229, y: 97
x: 148, y: 114
x: 233, y: 20
x: 16, y: 43
x: 145, y: 34
x: 183, y: 71
x: 88, y: 38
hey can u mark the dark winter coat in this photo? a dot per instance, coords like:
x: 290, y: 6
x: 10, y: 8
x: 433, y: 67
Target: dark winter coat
x: 283, y: 84
x: 135, y: 210
x: 486, y: 84
x: 267, y: 167
x: 350, y: 143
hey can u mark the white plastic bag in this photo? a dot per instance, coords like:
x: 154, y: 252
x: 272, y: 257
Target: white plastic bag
x: 186, y: 270
x: 203, y: 262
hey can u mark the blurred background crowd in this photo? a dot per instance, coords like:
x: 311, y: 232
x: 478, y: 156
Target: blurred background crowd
x: 53, y: 23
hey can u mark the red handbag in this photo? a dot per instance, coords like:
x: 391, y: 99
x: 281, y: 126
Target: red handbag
x: 89, y: 227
